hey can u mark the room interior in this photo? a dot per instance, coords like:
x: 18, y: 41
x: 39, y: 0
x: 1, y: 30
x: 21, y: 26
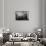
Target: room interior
x: 15, y: 32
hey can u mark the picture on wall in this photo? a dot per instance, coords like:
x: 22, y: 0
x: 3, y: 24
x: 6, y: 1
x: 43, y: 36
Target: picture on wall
x: 22, y: 15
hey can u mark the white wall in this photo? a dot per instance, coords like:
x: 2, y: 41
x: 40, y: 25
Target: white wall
x: 44, y: 18
x: 35, y: 15
x: 1, y: 15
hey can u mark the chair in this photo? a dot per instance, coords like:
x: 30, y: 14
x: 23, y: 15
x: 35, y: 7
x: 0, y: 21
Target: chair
x: 5, y: 37
x: 1, y: 41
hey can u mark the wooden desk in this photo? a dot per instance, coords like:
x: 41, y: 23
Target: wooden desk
x: 24, y: 44
x: 21, y: 39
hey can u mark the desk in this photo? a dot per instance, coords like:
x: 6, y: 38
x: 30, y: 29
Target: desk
x: 24, y: 44
x: 21, y: 39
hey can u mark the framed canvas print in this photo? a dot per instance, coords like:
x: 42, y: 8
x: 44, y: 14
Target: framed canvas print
x: 22, y: 15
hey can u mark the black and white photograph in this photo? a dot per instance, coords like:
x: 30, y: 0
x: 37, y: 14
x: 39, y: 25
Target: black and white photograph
x: 22, y: 22
x: 22, y: 15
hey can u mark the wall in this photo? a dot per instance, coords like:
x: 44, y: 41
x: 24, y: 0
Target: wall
x: 44, y: 18
x: 1, y: 14
x: 35, y: 15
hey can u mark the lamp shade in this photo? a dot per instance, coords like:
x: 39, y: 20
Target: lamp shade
x: 39, y: 29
